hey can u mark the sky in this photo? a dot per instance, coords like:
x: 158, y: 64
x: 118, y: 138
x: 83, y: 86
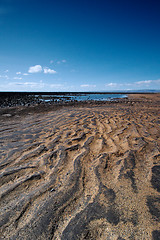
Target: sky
x: 79, y: 45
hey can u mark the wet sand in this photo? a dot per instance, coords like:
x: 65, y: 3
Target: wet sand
x: 86, y: 171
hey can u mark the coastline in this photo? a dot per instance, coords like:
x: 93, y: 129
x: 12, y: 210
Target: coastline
x: 81, y: 170
x: 132, y: 99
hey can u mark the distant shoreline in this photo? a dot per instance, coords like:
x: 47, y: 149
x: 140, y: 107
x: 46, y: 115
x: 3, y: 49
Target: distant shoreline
x: 75, y: 93
x: 13, y: 99
x: 133, y: 100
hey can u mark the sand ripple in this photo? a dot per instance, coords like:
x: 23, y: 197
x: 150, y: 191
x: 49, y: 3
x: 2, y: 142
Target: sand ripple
x: 81, y: 173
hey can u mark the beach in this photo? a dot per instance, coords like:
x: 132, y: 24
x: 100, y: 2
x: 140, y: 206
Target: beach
x: 81, y: 170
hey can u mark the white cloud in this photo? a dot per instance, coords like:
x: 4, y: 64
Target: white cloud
x: 157, y: 81
x: 144, y: 82
x: 34, y: 84
x: 6, y: 71
x: 35, y: 69
x: 27, y: 84
x: 25, y: 74
x: 18, y: 73
x: 133, y: 85
x: 4, y: 76
x: 148, y: 82
x: 38, y: 69
x: 56, y: 85
x: 51, y: 61
x: 111, y: 84
x: 127, y: 84
x: 48, y: 70
x: 87, y: 85
x: 62, y: 61
x: 31, y: 86
x: 17, y: 78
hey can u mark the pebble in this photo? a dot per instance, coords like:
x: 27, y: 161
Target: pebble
x: 7, y: 115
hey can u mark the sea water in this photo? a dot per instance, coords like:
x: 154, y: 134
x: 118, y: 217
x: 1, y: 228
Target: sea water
x: 98, y: 97
x: 82, y: 97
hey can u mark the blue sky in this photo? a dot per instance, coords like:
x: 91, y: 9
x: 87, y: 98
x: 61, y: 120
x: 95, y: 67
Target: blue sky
x: 87, y: 45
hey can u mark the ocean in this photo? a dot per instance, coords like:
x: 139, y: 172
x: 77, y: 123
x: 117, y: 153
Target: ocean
x: 81, y: 97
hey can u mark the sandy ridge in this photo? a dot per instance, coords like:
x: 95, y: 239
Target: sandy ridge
x: 82, y: 173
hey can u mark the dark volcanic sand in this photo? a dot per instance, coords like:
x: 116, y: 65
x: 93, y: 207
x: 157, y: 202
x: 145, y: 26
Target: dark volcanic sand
x: 87, y: 171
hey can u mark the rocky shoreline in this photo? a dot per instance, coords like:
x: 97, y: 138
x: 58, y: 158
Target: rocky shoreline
x: 12, y: 104
x: 29, y: 99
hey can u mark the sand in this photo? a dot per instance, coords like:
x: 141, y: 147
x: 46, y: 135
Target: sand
x: 81, y: 172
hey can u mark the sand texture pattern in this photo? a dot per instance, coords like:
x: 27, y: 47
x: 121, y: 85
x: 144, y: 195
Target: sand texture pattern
x: 81, y: 173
